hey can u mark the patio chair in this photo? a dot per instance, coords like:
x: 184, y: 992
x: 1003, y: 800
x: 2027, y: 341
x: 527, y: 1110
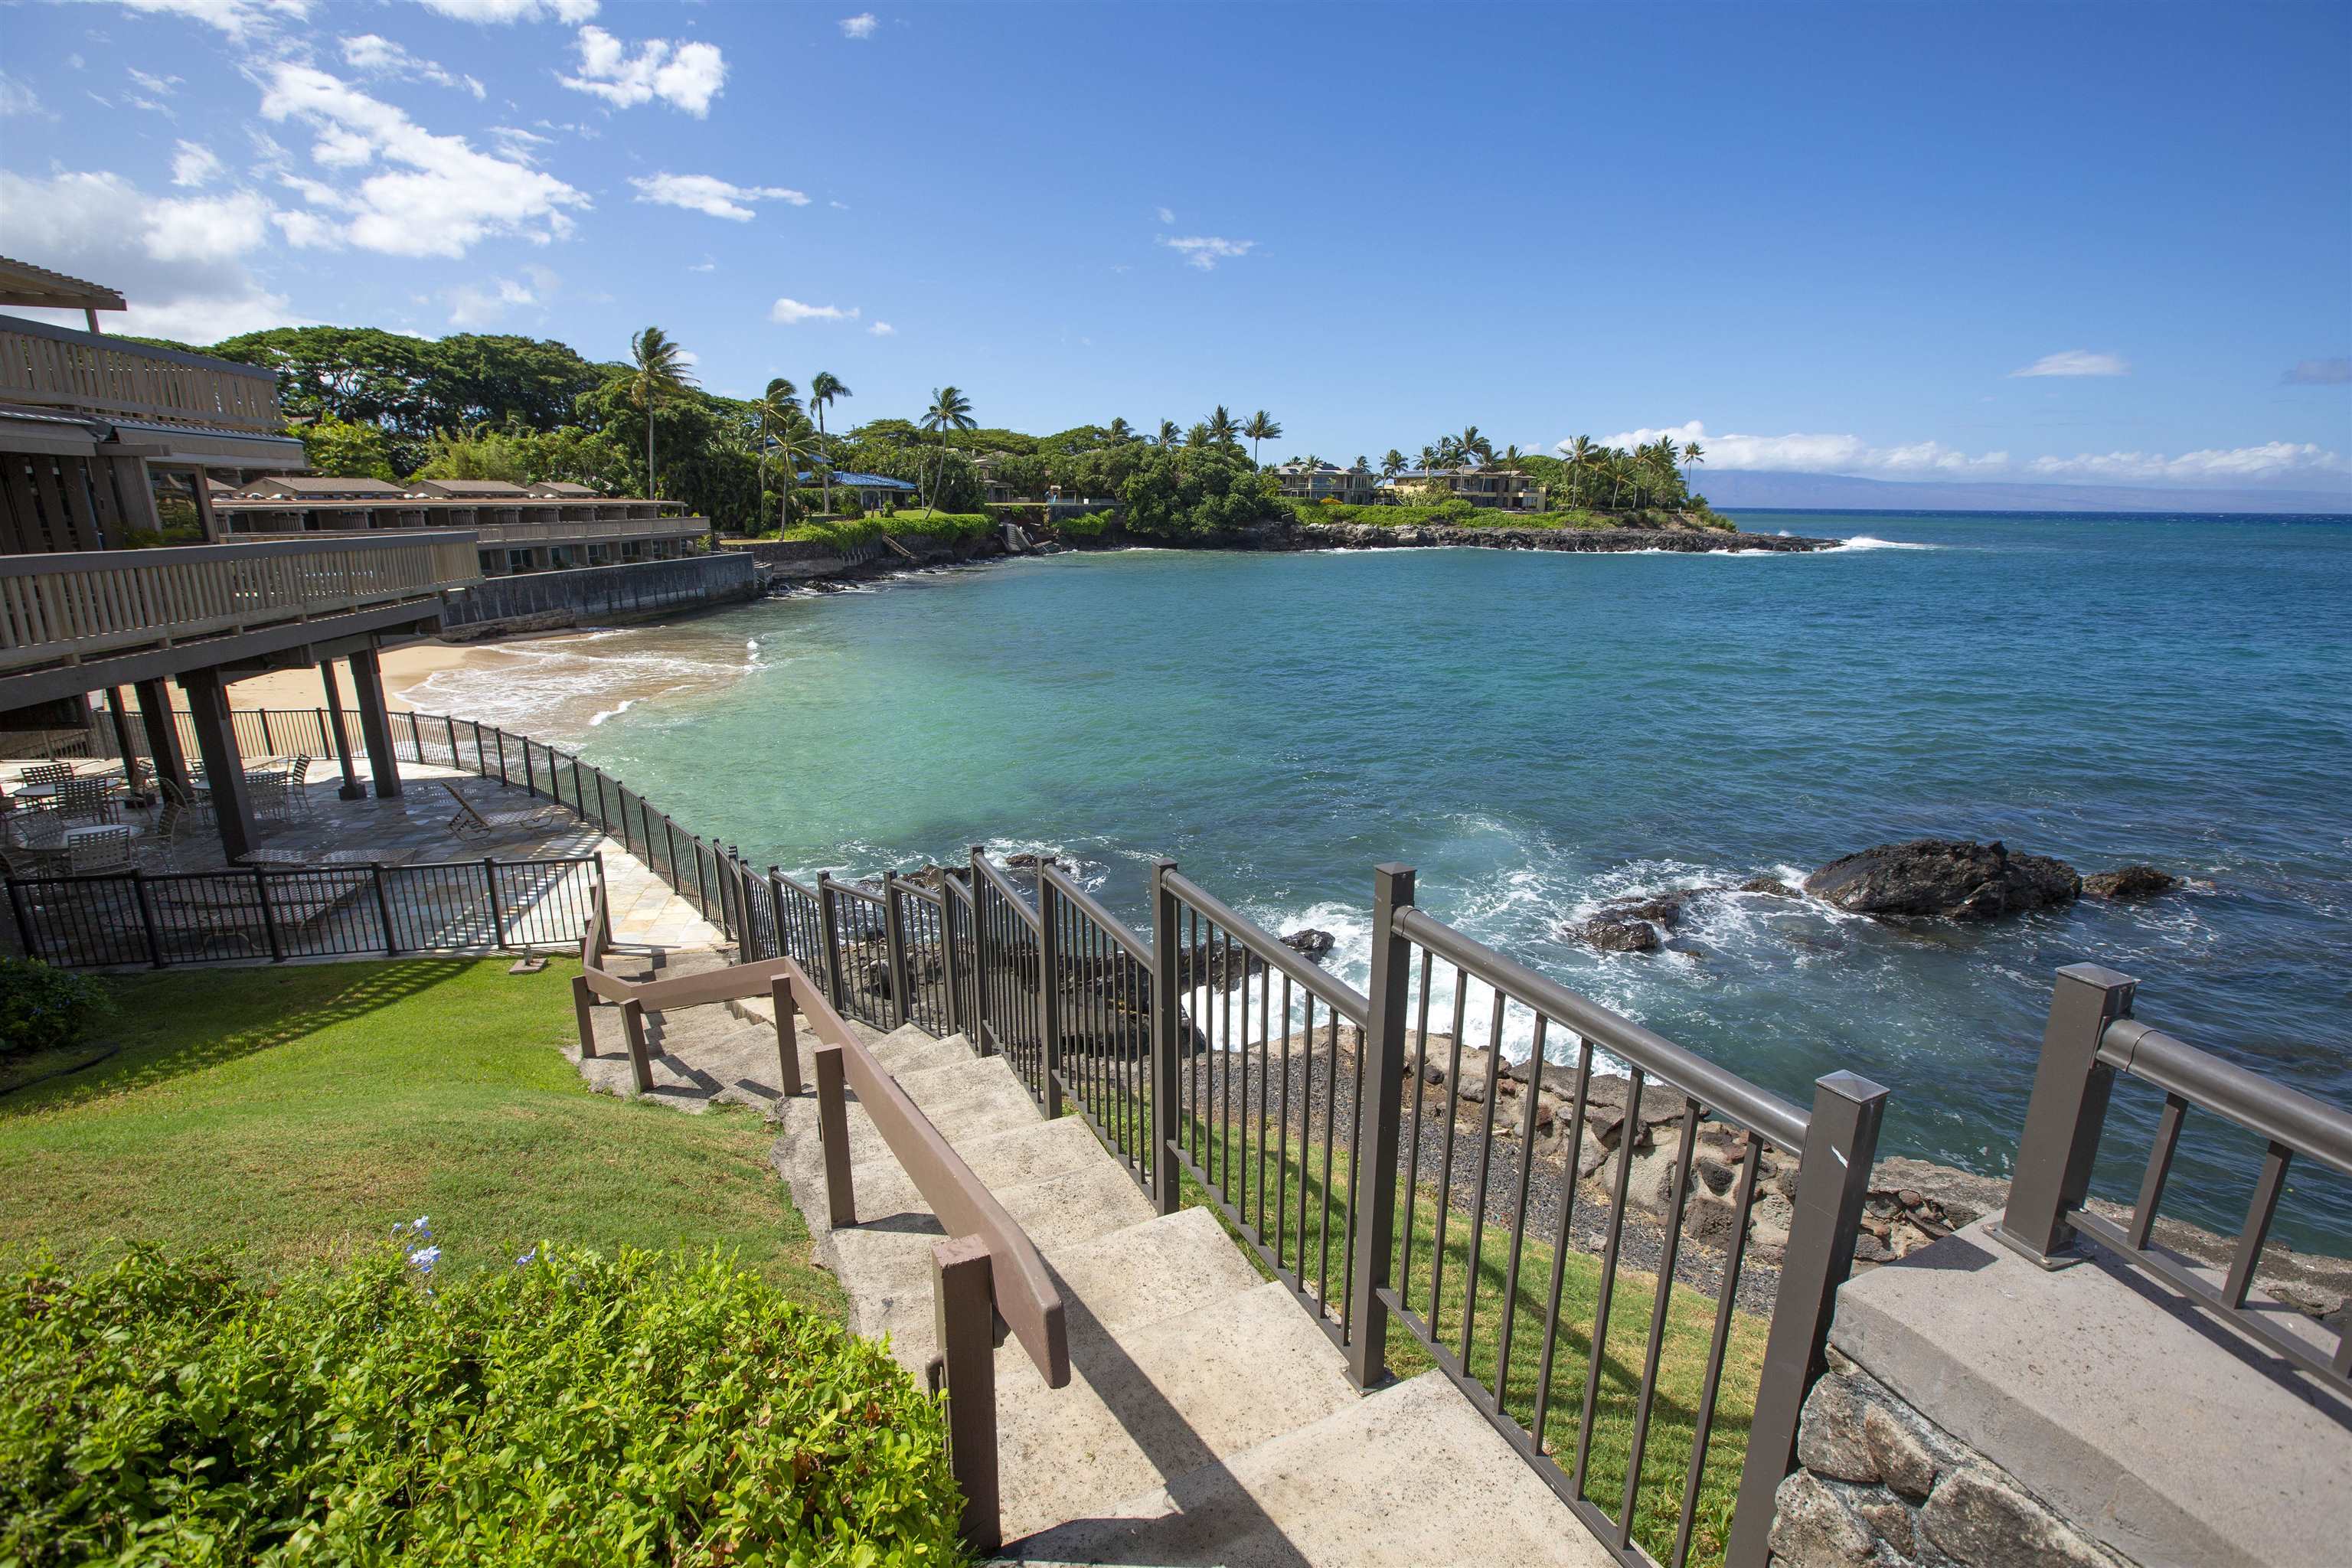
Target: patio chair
x: 24, y: 862
x: 471, y: 826
x: 108, y: 849
x: 266, y: 788
x: 91, y: 801
x: 47, y: 774
x: 178, y: 828
x: 297, y: 781
x: 197, y: 799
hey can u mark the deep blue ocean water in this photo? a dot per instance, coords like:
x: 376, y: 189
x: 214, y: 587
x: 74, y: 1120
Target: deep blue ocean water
x: 1537, y: 732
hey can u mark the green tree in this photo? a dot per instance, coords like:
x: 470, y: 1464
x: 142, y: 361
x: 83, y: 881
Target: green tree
x: 1579, y: 463
x: 823, y: 387
x: 347, y: 448
x: 1119, y: 431
x: 1393, y: 464
x: 1223, y: 430
x: 772, y: 411
x: 1168, y: 435
x: 1261, y: 427
x: 1693, y: 455
x: 950, y: 410
x: 792, y: 443
x: 658, y: 373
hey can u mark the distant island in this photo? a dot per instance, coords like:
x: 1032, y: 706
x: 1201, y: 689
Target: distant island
x: 1749, y: 487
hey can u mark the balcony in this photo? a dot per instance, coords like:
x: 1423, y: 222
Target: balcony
x: 57, y: 368
x: 75, y: 605
x: 539, y: 531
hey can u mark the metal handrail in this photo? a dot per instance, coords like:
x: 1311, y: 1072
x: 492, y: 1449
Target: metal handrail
x: 1092, y: 908
x: 1010, y: 890
x: 1726, y: 1092
x: 2091, y: 1036
x: 1349, y: 1003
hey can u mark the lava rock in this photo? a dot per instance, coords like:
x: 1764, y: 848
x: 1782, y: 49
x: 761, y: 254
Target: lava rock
x: 1617, y: 934
x: 2129, y: 883
x: 1309, y: 943
x: 1771, y: 887
x: 1951, y: 878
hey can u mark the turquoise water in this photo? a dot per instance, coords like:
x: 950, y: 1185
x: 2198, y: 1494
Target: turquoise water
x: 1537, y: 732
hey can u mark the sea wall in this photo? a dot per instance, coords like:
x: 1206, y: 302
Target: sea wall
x: 599, y: 596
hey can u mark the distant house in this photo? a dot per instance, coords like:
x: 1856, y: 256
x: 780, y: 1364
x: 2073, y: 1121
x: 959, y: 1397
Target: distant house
x: 559, y: 489
x: 874, y: 491
x: 1507, y: 490
x: 329, y: 488
x: 1326, y: 481
x: 474, y: 489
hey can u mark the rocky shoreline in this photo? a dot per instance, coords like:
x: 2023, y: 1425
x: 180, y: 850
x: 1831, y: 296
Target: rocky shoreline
x: 820, y: 568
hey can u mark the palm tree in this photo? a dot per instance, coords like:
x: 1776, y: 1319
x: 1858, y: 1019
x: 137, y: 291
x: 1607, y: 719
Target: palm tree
x: 794, y: 443
x: 1168, y: 435
x: 1693, y: 455
x: 1472, y: 446
x: 950, y: 410
x: 1120, y: 432
x: 1393, y: 464
x: 1430, y: 457
x: 823, y: 387
x: 657, y: 372
x: 1223, y: 430
x: 771, y: 412
x: 1579, y: 459
x: 1261, y: 427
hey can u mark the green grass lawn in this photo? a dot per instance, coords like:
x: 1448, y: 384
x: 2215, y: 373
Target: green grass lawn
x: 295, y: 1113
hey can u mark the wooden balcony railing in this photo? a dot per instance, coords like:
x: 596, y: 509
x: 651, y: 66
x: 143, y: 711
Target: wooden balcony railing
x: 56, y: 367
x: 83, y: 603
x: 537, y: 531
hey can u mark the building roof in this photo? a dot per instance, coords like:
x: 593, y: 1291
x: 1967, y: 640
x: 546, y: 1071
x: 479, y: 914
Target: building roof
x: 860, y: 481
x: 472, y: 489
x: 21, y: 283
x: 325, y: 487
x: 561, y: 489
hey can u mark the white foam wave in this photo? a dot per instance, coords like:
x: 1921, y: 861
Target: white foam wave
x: 1865, y: 542
x: 627, y: 703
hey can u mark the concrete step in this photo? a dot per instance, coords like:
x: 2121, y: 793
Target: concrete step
x: 956, y: 1081
x: 890, y: 1249
x: 664, y: 964
x: 1410, y: 1476
x: 1160, y: 1402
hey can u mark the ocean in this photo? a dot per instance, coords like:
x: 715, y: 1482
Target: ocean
x: 1537, y: 733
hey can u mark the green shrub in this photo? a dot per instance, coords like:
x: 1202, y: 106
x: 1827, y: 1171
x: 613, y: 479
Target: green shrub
x: 651, y: 1410
x: 47, y: 1009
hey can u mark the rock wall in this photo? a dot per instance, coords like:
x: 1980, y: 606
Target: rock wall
x: 1880, y: 1486
x: 599, y: 596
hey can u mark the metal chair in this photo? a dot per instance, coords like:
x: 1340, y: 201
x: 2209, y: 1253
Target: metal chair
x: 297, y: 780
x: 91, y: 801
x: 49, y: 773
x: 106, y: 849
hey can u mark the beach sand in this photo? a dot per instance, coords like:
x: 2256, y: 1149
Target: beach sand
x: 404, y: 669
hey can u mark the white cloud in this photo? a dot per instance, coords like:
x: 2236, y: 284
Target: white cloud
x: 1167, y: 215
x: 707, y: 264
x: 1847, y: 454
x: 2075, y: 362
x: 513, y: 10
x: 1205, y: 251
x: 882, y: 329
x: 484, y: 304
x: 517, y: 143
x: 687, y: 77
x: 791, y: 311
x: 195, y: 165
x: 236, y: 18
x: 861, y: 25
x: 434, y: 196
x: 17, y: 98
x: 708, y: 194
x: 179, y: 261
x: 376, y: 54
x: 154, y: 86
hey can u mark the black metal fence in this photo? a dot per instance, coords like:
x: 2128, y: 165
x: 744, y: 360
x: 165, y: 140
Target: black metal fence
x: 279, y: 913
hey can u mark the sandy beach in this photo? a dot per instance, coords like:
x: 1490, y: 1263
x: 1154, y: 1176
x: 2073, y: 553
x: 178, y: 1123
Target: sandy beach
x: 404, y: 669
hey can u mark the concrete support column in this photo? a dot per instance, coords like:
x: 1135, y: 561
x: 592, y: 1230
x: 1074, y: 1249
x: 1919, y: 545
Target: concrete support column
x: 131, y: 776
x: 163, y: 732
x: 353, y: 789
x: 375, y: 723
x: 224, y: 764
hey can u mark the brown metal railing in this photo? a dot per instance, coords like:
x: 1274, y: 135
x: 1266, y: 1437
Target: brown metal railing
x: 986, y: 1268
x: 2091, y: 1038
x: 1229, y: 1059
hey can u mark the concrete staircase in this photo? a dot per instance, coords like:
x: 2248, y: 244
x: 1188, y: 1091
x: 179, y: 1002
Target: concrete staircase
x: 1208, y: 1419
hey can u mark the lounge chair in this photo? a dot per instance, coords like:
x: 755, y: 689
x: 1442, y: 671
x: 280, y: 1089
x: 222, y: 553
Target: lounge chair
x: 472, y: 826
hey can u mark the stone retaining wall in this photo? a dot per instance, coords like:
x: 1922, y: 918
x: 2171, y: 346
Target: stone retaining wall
x: 1881, y: 1486
x: 599, y: 596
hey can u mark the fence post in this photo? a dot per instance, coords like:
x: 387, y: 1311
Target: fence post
x: 1167, y: 1184
x: 828, y: 930
x: 1832, y: 1180
x: 979, y: 1023
x: 893, y: 947
x: 788, y: 1043
x: 583, y: 1002
x: 24, y: 923
x: 326, y: 744
x: 1049, y: 992
x: 964, y: 1318
x: 2066, y: 1114
x: 268, y: 916
x: 269, y: 744
x: 669, y: 848
x: 147, y: 918
x: 632, y: 1025
x: 949, y: 966
x: 490, y: 880
x: 1375, y: 1165
x: 833, y: 1136
x: 383, y: 911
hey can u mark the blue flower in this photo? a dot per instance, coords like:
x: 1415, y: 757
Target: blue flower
x: 425, y: 1257
x: 528, y: 1258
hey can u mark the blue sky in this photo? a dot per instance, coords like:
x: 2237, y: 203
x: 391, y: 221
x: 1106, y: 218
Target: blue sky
x: 2103, y: 243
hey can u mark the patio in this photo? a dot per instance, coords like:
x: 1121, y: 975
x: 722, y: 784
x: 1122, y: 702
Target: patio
x: 320, y: 852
